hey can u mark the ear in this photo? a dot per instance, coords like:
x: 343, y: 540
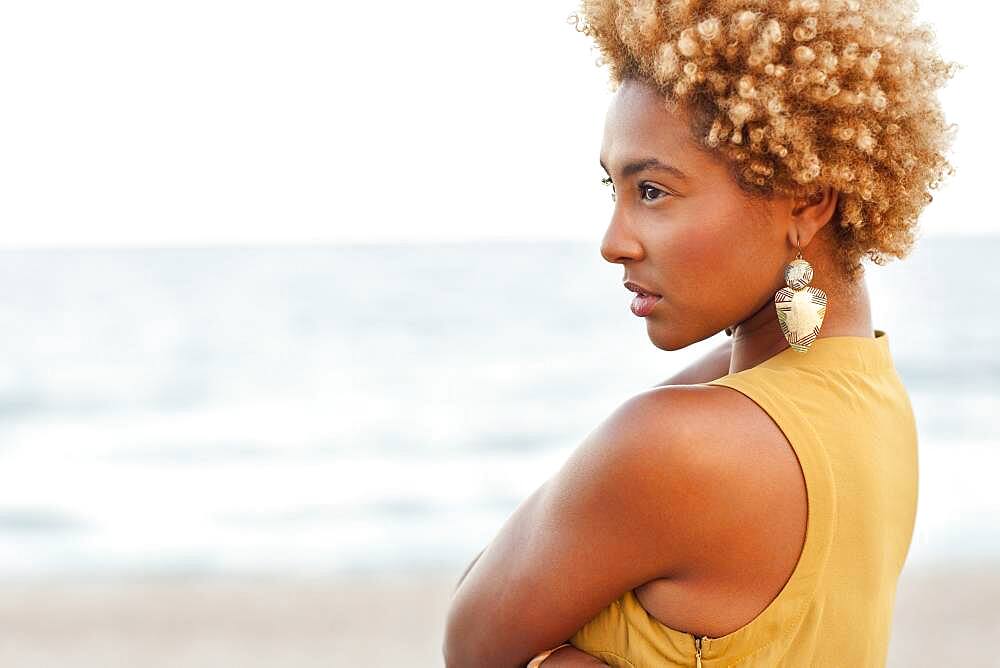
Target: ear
x: 810, y: 213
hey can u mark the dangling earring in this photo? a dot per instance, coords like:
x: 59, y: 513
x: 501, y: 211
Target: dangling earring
x: 800, y: 307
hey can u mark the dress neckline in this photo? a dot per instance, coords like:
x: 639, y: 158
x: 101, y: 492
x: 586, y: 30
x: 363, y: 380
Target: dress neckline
x: 861, y: 353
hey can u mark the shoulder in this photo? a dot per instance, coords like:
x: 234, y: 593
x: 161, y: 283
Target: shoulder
x: 687, y: 425
x: 705, y: 466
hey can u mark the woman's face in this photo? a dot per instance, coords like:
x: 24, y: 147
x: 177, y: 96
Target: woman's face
x: 687, y: 231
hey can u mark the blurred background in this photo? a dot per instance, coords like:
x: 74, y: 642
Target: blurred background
x: 300, y: 301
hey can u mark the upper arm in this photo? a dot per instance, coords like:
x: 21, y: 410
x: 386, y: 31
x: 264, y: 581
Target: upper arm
x: 621, y: 511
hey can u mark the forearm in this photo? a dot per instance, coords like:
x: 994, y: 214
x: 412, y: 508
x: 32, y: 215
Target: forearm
x: 712, y: 365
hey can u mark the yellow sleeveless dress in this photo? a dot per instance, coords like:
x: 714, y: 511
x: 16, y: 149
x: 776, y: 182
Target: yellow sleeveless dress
x: 848, y: 417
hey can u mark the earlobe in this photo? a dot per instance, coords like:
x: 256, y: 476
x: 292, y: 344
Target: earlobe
x: 795, y: 237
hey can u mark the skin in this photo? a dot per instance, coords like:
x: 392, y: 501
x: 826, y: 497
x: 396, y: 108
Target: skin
x: 711, y: 489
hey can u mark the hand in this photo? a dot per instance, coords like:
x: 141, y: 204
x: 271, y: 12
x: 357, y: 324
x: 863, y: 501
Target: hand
x: 571, y: 657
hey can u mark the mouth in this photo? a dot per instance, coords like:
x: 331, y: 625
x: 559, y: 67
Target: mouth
x: 644, y: 300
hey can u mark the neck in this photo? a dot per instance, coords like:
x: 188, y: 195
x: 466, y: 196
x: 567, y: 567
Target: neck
x: 759, y: 337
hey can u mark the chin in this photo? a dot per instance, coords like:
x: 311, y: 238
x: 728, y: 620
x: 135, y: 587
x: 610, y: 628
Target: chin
x: 667, y: 338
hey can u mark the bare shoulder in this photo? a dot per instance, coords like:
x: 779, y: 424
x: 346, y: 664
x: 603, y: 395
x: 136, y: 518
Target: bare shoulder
x: 736, y: 481
x: 710, y: 422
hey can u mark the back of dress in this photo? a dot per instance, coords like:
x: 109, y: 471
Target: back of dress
x: 848, y: 417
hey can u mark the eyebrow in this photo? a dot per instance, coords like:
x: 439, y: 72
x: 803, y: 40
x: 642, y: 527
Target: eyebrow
x: 637, y: 166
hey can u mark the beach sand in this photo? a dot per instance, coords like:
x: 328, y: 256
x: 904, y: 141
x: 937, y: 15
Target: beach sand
x: 942, y: 619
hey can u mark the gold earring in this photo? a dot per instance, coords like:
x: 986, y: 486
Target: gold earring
x: 800, y: 307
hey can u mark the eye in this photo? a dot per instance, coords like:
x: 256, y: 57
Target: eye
x: 646, y: 188
x: 607, y: 181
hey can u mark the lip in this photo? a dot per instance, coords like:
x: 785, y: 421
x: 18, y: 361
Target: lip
x: 635, y: 287
x: 643, y: 305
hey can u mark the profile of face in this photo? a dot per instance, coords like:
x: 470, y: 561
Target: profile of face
x: 682, y: 227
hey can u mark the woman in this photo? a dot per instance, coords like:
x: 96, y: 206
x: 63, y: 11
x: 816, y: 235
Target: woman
x: 757, y: 508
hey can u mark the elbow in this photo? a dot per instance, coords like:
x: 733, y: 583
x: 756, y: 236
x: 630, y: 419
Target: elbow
x: 466, y: 647
x: 452, y: 658
x: 476, y: 633
x: 450, y: 649
x: 462, y: 646
x: 456, y: 648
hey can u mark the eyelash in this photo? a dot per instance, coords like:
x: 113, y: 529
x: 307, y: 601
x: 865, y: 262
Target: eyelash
x: 642, y: 187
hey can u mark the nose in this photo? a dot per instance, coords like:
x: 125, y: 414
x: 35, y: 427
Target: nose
x: 620, y: 244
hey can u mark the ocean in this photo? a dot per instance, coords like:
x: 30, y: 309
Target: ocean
x: 331, y: 409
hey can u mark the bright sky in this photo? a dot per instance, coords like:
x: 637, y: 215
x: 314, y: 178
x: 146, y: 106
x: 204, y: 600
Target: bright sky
x: 215, y: 121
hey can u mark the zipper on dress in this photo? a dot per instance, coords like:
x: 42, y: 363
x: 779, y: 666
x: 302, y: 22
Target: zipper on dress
x: 697, y: 649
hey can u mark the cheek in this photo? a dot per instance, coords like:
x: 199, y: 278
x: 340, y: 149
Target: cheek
x: 724, y: 255
x: 699, y: 256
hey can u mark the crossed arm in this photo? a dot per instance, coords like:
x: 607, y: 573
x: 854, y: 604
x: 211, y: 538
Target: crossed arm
x: 564, y: 657
x: 712, y: 365
x: 566, y: 553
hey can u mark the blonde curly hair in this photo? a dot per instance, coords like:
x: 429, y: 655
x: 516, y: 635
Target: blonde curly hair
x: 799, y: 95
